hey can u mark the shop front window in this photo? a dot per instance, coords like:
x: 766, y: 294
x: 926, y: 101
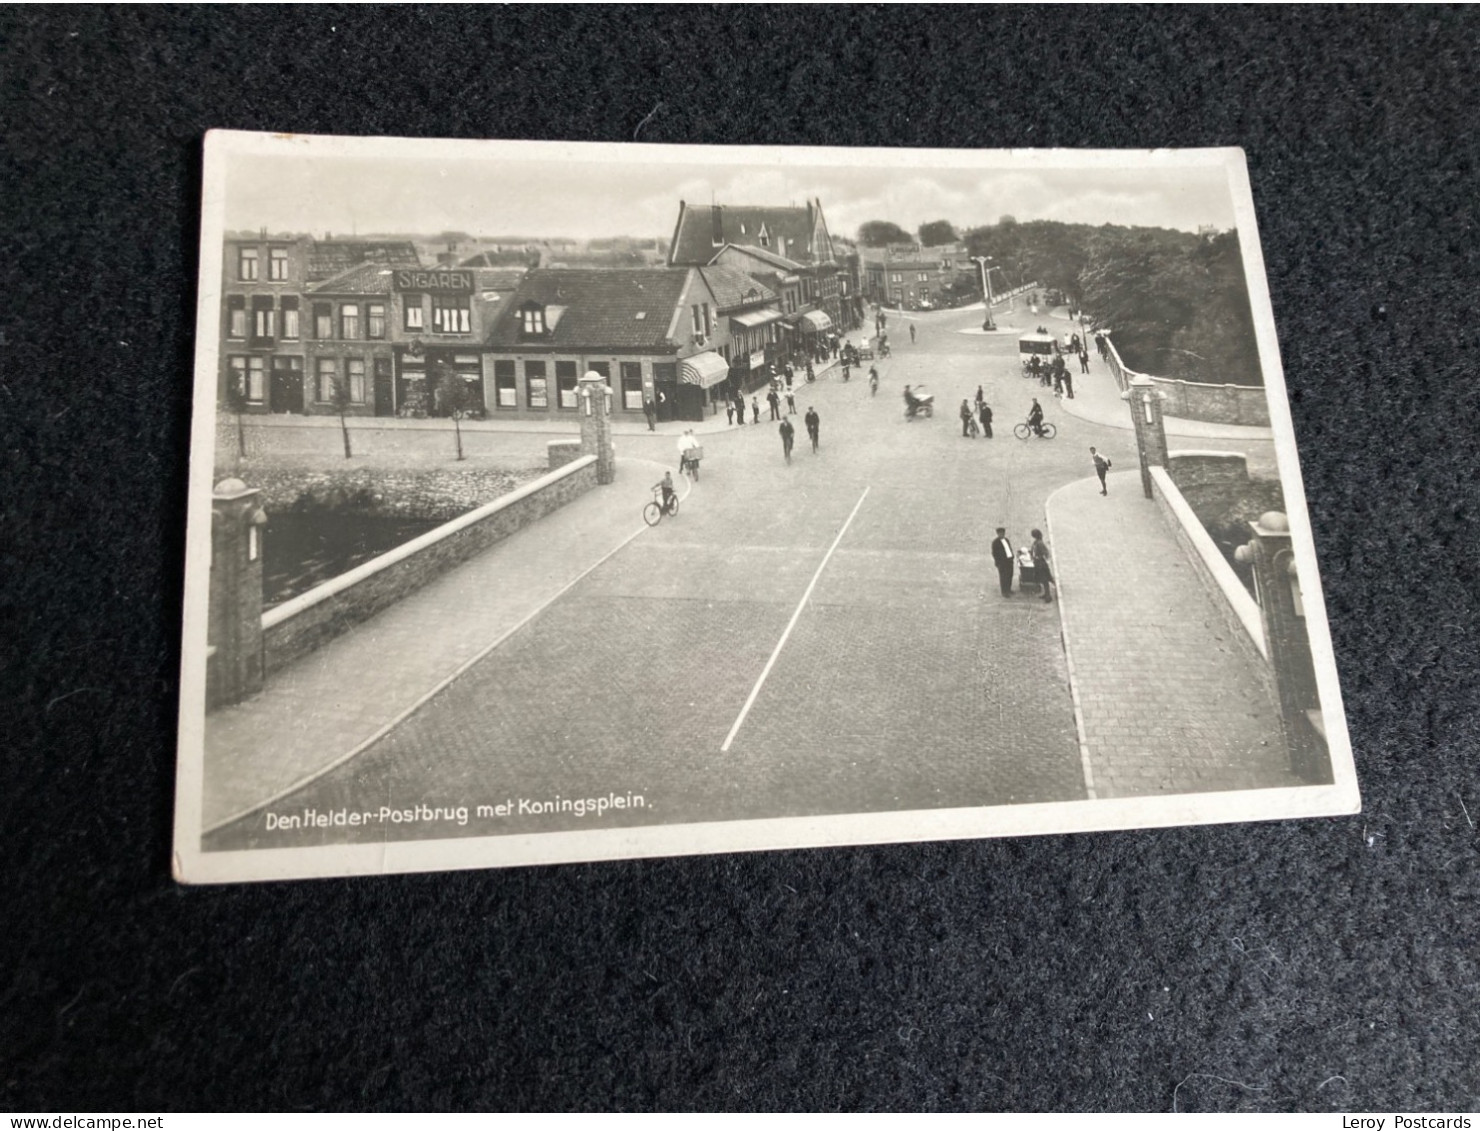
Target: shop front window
x: 506, y: 393
x: 565, y: 384
x: 536, y: 391
x: 632, y: 385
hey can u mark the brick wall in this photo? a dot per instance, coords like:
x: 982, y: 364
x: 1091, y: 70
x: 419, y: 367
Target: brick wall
x: 1215, y: 404
x: 297, y: 627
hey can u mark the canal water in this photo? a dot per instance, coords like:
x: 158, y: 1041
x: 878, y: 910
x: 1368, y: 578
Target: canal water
x: 300, y: 551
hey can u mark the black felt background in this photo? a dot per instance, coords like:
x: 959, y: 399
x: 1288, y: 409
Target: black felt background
x: 1326, y: 964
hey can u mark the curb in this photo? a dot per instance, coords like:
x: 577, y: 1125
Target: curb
x: 1084, y: 756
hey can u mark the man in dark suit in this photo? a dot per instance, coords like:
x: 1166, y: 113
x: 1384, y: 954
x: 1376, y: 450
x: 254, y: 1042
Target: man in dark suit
x: 1002, y: 555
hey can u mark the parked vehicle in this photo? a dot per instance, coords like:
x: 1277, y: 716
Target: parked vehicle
x: 1034, y: 345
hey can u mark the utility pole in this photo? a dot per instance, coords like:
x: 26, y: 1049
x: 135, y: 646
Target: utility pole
x: 982, y: 261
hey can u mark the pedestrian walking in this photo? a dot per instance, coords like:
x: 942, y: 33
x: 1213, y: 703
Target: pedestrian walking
x: 791, y: 404
x: 968, y: 420
x: 1101, y: 344
x: 775, y: 402
x: 755, y: 411
x: 1040, y: 566
x: 687, y: 444
x: 1068, y: 381
x: 788, y: 374
x: 1102, y: 465
x: 814, y: 425
x: 984, y: 412
x: 912, y: 333
x: 980, y: 396
x: 739, y: 409
x: 1003, y: 557
x: 810, y: 375
x: 1083, y: 360
x: 650, y: 411
x: 788, y: 437
x: 729, y: 412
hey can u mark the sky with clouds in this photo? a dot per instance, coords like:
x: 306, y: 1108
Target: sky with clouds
x: 490, y: 192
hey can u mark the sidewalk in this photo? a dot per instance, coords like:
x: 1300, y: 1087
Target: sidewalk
x: 569, y: 426
x: 1097, y: 399
x: 319, y: 711
x: 1167, y: 703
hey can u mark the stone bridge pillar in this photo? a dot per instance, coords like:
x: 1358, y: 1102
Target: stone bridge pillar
x: 1282, y: 609
x: 1145, y: 400
x: 596, y: 425
x: 234, y: 623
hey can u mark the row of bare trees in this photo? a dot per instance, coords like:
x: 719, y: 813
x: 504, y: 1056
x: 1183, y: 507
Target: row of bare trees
x: 450, y: 392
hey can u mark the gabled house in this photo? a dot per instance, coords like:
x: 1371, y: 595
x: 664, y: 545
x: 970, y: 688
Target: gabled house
x: 795, y: 236
x: 753, y: 312
x: 652, y: 332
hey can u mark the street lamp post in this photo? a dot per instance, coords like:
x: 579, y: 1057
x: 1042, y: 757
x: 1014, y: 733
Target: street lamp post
x: 982, y: 261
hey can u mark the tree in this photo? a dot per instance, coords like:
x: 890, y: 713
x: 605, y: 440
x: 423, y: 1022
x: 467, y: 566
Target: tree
x: 453, y: 397
x: 936, y: 233
x: 882, y: 233
x: 236, y: 401
x: 339, y: 397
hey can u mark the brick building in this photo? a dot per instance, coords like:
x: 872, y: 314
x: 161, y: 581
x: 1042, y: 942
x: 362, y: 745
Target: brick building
x: 792, y: 240
x: 908, y: 276
x: 291, y: 307
x: 651, y: 332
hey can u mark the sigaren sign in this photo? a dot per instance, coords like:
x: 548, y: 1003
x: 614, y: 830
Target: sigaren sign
x: 461, y: 281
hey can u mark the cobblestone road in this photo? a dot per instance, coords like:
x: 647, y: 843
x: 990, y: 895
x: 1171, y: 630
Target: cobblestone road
x: 906, y: 682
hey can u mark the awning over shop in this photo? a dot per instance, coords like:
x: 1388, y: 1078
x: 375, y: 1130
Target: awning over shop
x: 816, y: 321
x: 704, y: 369
x: 753, y: 318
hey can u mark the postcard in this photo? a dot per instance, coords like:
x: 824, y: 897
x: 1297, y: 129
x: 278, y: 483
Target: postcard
x: 558, y: 502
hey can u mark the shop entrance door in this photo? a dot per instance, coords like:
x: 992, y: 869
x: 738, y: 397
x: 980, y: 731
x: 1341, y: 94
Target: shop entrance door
x: 384, y: 404
x: 286, y: 393
x: 665, y: 379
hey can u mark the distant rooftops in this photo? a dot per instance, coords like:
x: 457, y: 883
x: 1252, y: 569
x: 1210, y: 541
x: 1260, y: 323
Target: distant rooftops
x: 328, y: 258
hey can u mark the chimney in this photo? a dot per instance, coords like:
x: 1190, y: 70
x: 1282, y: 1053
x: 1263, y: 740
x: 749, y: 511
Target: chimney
x: 719, y: 224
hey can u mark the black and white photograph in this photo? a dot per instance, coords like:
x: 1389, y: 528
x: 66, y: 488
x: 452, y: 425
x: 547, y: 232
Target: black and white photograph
x: 563, y: 502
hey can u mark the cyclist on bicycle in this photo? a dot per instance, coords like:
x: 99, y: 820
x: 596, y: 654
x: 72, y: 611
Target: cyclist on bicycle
x: 1035, y: 418
x: 667, y: 486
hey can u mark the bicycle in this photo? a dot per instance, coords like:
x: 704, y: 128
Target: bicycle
x: 653, y: 512
x: 1024, y: 430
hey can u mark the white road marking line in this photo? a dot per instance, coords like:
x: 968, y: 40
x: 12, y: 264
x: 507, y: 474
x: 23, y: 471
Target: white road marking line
x: 780, y: 644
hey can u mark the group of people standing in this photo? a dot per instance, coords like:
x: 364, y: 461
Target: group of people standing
x: 1006, y: 560
x: 970, y: 428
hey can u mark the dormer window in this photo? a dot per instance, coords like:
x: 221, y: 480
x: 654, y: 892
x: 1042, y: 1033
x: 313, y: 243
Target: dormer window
x: 532, y: 320
x: 764, y: 236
